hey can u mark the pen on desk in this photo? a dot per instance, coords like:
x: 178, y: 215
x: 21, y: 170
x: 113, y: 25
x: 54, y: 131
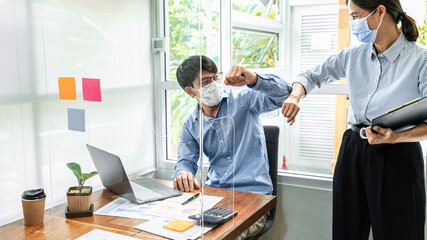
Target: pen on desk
x: 191, y: 199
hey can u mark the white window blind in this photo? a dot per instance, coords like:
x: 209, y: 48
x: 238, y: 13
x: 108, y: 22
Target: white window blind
x: 314, y: 39
x: 317, y: 120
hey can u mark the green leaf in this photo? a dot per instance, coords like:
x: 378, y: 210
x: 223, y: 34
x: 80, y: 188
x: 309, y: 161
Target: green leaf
x: 77, y: 171
x: 75, y: 167
x: 86, y: 176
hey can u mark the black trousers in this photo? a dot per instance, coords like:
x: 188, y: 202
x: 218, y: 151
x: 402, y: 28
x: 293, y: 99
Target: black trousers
x: 380, y: 186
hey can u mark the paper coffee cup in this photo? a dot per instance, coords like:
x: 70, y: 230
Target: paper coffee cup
x: 33, y: 202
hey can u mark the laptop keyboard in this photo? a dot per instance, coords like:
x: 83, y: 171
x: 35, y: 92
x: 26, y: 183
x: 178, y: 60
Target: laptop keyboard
x: 142, y: 193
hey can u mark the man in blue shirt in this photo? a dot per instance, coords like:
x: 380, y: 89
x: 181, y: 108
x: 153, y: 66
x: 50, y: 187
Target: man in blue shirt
x: 265, y: 93
x: 223, y: 109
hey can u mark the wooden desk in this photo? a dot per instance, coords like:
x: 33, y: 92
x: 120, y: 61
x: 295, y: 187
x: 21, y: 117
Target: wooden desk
x: 251, y: 207
x: 58, y: 228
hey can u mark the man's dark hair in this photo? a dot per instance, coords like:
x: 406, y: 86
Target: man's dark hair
x: 190, y: 69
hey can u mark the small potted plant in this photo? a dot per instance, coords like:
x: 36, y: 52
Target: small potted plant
x: 79, y: 198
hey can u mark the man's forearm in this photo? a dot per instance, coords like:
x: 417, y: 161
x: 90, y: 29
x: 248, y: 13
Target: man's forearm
x: 272, y: 86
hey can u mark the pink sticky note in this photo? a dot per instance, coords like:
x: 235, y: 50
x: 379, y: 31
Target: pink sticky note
x: 91, y: 89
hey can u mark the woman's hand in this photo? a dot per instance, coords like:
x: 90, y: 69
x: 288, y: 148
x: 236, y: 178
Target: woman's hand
x: 383, y: 135
x: 290, y: 106
x: 290, y: 109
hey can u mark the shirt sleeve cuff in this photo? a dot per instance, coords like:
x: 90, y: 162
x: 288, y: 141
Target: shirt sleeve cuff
x: 261, y: 77
x: 305, y: 83
x: 177, y: 172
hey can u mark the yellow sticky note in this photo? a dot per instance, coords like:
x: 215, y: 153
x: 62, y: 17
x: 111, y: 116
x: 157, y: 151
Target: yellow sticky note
x: 178, y: 225
x: 67, y: 88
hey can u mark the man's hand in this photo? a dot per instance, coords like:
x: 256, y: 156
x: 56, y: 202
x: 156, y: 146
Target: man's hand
x: 186, y: 182
x: 240, y: 76
x: 384, y: 135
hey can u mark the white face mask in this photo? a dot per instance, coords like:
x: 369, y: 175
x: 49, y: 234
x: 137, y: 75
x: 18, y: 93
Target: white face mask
x: 212, y: 93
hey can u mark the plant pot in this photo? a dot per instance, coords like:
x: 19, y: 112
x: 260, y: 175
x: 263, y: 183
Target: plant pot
x: 79, y: 202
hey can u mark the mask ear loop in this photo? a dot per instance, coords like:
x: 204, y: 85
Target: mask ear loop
x: 379, y: 25
x: 371, y: 13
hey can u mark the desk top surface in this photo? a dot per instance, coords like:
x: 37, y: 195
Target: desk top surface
x: 250, y: 207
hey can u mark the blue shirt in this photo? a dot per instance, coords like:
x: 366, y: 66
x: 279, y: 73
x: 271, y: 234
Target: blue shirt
x: 250, y: 154
x: 377, y: 82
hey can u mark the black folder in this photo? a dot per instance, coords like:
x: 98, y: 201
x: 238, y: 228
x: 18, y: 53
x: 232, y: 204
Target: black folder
x: 404, y: 117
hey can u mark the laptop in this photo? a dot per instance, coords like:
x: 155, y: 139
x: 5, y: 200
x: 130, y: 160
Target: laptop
x: 114, y: 178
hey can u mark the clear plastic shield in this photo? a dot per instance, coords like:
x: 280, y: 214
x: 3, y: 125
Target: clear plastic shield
x: 92, y: 82
x: 81, y: 86
x: 219, y: 146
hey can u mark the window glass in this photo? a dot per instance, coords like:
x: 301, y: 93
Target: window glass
x: 180, y: 106
x: 260, y: 8
x: 192, y: 32
x: 254, y: 50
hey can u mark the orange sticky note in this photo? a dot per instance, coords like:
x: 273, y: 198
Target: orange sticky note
x: 178, y: 225
x: 67, y: 88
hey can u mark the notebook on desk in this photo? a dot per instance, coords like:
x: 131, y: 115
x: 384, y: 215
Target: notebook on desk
x: 404, y: 117
x: 114, y: 178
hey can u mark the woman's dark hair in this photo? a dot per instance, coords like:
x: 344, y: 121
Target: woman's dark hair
x: 190, y: 69
x: 409, y: 27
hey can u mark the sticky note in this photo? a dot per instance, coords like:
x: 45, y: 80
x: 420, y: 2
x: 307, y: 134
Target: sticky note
x: 91, y: 89
x: 76, y: 120
x: 178, y: 225
x: 67, y: 88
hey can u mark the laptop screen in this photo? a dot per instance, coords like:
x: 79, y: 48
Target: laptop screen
x: 111, y: 172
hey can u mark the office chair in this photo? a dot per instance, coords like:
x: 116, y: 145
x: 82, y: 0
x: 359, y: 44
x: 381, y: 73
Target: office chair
x: 272, y: 141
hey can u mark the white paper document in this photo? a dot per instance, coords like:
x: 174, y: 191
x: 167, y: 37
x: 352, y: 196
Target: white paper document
x: 97, y: 234
x: 122, y: 207
x: 169, y: 208
x: 156, y: 227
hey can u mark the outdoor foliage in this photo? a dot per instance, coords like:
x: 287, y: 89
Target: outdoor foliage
x: 184, y: 40
x: 181, y: 107
x: 184, y: 32
x: 255, y: 7
x: 250, y: 50
x: 187, y: 36
x: 423, y: 29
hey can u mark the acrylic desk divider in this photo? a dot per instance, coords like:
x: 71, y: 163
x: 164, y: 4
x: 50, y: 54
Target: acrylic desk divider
x: 221, y: 168
x: 91, y: 86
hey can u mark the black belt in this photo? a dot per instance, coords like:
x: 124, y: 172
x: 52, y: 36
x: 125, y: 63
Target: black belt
x: 357, y: 127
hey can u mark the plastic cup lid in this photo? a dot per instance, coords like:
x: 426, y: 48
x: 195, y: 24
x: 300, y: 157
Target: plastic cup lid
x: 33, y: 194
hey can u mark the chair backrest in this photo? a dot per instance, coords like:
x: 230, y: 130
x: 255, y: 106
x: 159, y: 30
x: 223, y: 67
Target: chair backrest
x: 272, y: 142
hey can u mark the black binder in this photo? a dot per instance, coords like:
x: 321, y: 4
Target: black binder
x: 404, y: 117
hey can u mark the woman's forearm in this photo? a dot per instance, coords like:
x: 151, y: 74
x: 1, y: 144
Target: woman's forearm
x: 419, y: 133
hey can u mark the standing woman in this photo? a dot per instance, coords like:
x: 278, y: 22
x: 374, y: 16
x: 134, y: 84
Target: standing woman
x: 378, y: 182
